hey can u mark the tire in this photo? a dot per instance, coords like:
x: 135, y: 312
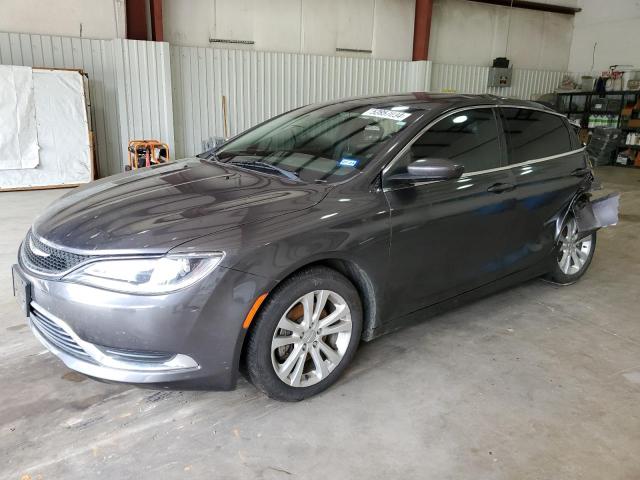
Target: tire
x: 572, y: 258
x: 285, y: 356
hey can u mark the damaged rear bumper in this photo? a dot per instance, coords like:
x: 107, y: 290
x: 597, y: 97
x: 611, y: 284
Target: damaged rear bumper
x: 592, y: 215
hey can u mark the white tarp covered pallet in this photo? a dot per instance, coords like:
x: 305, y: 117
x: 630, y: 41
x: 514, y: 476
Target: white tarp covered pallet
x: 18, y: 135
x: 61, y: 140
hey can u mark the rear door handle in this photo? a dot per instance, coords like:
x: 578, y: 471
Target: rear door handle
x: 581, y: 172
x: 501, y: 187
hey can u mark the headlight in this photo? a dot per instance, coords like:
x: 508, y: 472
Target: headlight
x: 147, y: 276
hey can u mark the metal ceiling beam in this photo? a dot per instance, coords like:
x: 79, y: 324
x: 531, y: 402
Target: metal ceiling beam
x: 422, y: 29
x: 541, y: 7
x: 136, y: 19
x: 144, y: 20
x: 157, y: 32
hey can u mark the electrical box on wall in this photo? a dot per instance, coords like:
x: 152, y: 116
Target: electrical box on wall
x: 499, y: 77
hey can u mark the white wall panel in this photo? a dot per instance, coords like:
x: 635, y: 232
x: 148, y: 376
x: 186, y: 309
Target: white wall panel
x: 525, y: 84
x: 75, y: 18
x: 314, y: 27
x: 129, y: 86
x: 260, y: 85
x: 150, y: 90
x: 468, y: 33
x: 529, y: 84
x: 95, y: 57
x: 143, y: 83
x: 605, y: 34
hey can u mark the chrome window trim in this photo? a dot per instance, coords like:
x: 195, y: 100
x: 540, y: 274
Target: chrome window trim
x: 527, y: 107
x: 528, y: 162
x: 479, y: 172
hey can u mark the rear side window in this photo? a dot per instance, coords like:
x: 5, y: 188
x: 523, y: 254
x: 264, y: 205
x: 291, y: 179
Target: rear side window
x: 532, y: 134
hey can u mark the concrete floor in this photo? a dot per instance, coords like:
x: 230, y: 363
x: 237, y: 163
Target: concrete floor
x: 538, y: 382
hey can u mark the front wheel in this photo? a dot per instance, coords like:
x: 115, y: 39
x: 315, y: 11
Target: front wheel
x: 305, y: 335
x: 574, y: 254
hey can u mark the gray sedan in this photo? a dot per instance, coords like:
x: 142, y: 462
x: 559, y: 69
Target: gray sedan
x: 278, y: 252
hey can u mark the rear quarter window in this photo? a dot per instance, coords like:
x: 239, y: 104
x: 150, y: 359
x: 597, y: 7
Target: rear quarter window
x: 532, y: 134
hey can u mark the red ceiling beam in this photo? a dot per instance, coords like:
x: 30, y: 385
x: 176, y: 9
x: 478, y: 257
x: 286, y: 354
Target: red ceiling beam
x: 137, y: 21
x: 156, y: 20
x: 422, y: 29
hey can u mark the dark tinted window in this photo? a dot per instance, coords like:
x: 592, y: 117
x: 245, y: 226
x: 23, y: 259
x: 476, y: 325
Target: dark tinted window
x: 532, y: 134
x: 468, y: 138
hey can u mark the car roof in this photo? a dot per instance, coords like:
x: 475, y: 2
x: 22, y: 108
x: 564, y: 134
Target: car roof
x: 434, y: 102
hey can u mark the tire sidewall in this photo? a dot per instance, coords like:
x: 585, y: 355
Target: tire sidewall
x: 259, y: 365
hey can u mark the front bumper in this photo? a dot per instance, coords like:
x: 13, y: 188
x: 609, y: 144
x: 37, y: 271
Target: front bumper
x: 188, y: 339
x: 113, y: 364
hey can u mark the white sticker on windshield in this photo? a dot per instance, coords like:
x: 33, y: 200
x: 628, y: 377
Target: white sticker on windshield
x: 383, y: 113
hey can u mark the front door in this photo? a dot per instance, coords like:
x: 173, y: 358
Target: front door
x: 450, y: 236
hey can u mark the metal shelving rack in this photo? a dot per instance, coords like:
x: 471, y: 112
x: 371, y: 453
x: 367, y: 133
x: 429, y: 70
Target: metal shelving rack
x: 583, y: 102
x: 578, y: 106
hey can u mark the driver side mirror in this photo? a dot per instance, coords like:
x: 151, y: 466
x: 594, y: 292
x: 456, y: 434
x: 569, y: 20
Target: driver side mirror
x: 429, y: 169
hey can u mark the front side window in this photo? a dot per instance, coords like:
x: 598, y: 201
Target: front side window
x: 321, y: 144
x: 532, y: 134
x: 468, y: 138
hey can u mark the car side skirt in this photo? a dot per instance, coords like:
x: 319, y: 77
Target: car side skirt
x: 459, y: 300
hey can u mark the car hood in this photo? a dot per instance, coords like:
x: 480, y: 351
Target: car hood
x: 155, y: 209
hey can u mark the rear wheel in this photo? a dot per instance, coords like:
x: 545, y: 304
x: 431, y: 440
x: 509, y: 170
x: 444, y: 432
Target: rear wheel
x: 305, y: 335
x: 574, y: 254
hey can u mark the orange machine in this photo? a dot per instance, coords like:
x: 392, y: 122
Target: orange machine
x: 144, y: 153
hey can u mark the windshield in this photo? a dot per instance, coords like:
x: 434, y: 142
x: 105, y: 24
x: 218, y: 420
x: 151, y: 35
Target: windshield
x: 325, y: 144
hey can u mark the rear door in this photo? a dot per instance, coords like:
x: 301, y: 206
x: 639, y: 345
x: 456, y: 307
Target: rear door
x: 450, y: 236
x: 548, y: 165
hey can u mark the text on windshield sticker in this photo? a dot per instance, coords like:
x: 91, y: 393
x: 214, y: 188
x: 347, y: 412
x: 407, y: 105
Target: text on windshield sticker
x: 383, y: 113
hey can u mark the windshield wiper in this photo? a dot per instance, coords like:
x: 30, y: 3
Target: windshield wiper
x: 209, y: 155
x: 261, y: 166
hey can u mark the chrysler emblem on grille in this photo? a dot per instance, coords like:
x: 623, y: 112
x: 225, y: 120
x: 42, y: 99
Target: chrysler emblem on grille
x: 36, y: 251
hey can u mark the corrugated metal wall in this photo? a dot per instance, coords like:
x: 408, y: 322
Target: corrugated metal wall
x: 94, y: 57
x: 143, y: 82
x: 150, y: 90
x: 127, y: 80
x: 259, y: 85
x: 525, y: 84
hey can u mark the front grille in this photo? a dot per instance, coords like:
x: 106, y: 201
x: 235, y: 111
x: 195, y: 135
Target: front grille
x: 57, y: 336
x: 40, y: 257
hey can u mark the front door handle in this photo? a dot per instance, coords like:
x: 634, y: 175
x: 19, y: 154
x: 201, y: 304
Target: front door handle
x: 501, y: 187
x: 581, y: 172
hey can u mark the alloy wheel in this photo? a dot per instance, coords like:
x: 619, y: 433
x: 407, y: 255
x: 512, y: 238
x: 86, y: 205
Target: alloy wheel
x: 574, y: 252
x: 311, y: 338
